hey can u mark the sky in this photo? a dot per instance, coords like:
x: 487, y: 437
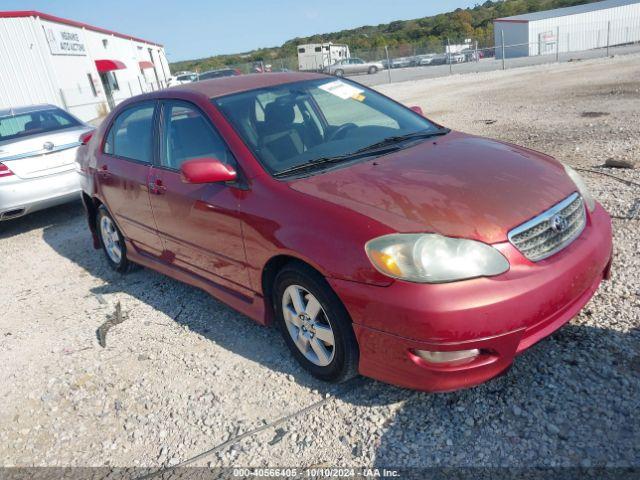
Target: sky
x: 194, y: 29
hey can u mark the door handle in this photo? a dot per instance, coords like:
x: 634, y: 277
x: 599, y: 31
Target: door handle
x: 157, y: 187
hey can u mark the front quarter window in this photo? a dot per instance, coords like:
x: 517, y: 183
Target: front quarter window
x: 305, y: 122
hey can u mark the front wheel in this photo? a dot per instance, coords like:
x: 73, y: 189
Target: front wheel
x: 373, y: 70
x: 339, y: 73
x: 112, y: 242
x: 315, y: 325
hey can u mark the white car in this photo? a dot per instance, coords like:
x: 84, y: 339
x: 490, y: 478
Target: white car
x: 182, y: 78
x: 38, y: 147
x: 350, y: 66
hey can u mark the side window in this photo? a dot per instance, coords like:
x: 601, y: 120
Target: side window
x: 188, y: 135
x: 131, y: 134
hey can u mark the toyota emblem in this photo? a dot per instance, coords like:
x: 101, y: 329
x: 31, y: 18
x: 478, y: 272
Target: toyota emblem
x: 559, y: 223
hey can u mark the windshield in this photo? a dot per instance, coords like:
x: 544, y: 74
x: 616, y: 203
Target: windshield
x: 300, y: 123
x: 35, y: 123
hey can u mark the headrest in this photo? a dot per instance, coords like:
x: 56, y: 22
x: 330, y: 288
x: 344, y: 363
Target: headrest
x: 279, y: 112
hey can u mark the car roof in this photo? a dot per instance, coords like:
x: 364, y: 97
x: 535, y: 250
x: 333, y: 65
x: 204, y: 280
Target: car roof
x: 6, y: 112
x: 219, y: 87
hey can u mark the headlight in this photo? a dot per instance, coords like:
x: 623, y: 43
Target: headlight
x: 581, y: 186
x: 432, y: 258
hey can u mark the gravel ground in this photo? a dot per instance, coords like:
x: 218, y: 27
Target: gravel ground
x: 183, y: 373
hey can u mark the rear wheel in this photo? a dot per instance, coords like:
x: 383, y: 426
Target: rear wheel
x: 373, y: 70
x: 112, y: 241
x: 315, y: 325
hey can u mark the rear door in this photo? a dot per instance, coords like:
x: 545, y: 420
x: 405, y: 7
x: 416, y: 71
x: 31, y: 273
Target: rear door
x: 198, y: 223
x: 123, y: 170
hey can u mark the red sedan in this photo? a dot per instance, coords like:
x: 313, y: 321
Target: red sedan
x: 378, y: 241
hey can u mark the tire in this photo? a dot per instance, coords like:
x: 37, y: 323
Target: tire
x: 339, y: 361
x: 111, y: 240
x: 339, y: 73
x: 373, y: 70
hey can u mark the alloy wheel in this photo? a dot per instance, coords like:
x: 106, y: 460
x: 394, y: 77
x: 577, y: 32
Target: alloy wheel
x: 308, y: 325
x: 110, y: 239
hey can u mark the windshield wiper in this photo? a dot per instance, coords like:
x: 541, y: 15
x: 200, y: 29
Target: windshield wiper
x: 311, y: 164
x: 401, y: 138
x: 387, y: 145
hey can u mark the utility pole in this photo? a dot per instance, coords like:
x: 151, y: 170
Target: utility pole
x: 608, y: 36
x: 449, y: 56
x: 386, y: 49
x: 557, y: 44
x: 502, y: 35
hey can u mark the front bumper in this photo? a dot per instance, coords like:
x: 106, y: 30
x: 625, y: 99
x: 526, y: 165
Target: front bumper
x: 21, y: 196
x: 501, y: 316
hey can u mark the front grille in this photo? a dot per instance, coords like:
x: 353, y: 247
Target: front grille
x: 552, y: 230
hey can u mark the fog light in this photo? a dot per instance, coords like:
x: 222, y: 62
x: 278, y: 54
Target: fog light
x: 444, y: 357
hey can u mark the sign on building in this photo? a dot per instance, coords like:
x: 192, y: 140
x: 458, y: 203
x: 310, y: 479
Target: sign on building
x: 64, y: 40
x: 547, y: 42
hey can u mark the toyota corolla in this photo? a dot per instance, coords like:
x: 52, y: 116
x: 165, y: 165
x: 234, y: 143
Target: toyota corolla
x: 379, y: 242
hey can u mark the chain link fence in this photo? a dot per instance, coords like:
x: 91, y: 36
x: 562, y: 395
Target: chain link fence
x: 431, y: 58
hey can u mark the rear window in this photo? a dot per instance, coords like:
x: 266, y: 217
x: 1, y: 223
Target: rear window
x: 35, y: 123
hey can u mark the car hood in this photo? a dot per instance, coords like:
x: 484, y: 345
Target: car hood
x: 457, y: 185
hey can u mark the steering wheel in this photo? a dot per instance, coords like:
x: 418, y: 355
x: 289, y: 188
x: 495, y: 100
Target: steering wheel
x: 340, y: 131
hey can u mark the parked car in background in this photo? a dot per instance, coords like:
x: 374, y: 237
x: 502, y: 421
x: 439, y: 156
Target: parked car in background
x: 38, y: 147
x: 403, y: 62
x: 351, y: 66
x: 439, y: 59
x: 377, y: 240
x: 456, y: 57
x: 181, y: 79
x: 261, y: 67
x: 471, y: 55
x: 422, y: 60
x: 221, y: 72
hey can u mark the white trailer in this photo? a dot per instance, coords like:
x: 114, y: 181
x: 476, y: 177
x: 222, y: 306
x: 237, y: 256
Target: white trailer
x: 316, y: 56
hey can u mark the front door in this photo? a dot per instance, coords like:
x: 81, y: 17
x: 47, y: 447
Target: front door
x: 123, y: 170
x: 198, y: 223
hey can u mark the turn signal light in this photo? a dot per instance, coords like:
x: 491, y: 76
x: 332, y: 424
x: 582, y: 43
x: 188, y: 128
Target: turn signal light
x: 4, y: 171
x: 446, y: 357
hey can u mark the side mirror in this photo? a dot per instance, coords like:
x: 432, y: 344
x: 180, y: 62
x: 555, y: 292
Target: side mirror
x: 206, y: 170
x: 418, y: 110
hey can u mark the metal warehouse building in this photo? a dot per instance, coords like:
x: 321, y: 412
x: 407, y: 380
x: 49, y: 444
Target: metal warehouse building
x: 571, y: 29
x: 84, y: 69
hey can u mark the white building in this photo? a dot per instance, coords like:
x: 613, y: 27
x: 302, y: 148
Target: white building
x: 81, y: 68
x: 316, y: 56
x: 571, y: 29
